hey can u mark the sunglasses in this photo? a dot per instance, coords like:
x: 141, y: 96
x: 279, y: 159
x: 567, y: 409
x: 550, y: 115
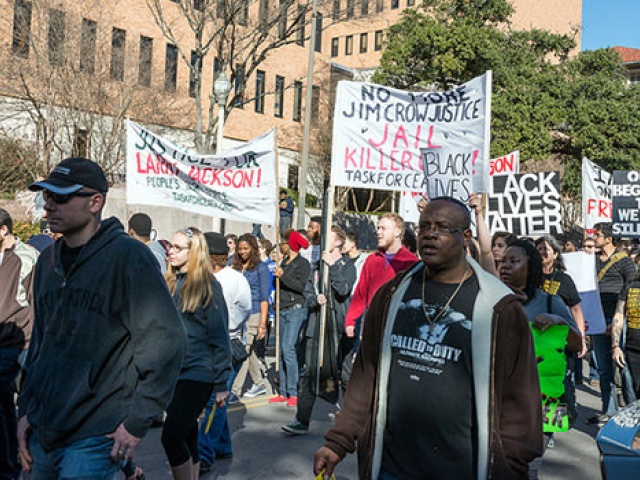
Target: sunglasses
x: 62, y: 199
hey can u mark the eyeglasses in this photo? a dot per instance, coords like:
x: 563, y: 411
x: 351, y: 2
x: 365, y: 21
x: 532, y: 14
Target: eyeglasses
x: 62, y: 199
x: 178, y: 248
x: 436, y: 229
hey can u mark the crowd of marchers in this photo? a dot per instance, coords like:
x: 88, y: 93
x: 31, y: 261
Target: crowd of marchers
x: 106, y: 331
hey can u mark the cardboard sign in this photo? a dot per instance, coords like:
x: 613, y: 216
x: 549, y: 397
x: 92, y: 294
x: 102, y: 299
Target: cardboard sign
x: 581, y: 267
x: 552, y: 368
x: 625, y: 193
x: 596, y: 194
x: 526, y: 204
x: 383, y: 138
x: 239, y: 184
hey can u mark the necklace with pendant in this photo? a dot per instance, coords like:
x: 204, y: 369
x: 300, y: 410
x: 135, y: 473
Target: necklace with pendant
x: 432, y: 321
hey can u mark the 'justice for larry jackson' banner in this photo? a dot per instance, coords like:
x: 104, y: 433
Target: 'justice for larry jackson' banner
x: 239, y: 184
x: 387, y: 139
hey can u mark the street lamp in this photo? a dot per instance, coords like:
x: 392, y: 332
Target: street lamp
x: 221, y: 88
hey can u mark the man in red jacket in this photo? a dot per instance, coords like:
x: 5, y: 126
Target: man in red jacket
x: 392, y: 257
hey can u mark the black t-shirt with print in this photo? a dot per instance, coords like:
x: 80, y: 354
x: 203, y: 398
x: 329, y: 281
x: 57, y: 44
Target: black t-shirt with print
x: 431, y: 423
x: 561, y: 284
x: 631, y: 295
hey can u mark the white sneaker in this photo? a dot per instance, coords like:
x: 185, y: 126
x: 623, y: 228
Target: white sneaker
x: 255, y: 391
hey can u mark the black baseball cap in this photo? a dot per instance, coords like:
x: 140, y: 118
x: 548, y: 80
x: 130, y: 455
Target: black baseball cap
x: 217, y: 243
x: 71, y: 175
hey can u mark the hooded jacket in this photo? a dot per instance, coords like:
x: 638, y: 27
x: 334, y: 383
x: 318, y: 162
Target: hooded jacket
x: 107, y: 341
x: 375, y: 271
x: 16, y: 303
x: 507, y: 392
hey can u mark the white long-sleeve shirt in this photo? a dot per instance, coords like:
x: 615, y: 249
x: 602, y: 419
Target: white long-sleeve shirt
x: 237, y: 295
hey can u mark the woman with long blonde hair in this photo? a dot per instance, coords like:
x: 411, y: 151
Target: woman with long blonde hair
x: 207, y: 363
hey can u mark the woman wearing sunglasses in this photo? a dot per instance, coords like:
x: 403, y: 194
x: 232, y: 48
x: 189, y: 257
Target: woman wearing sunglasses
x: 207, y: 363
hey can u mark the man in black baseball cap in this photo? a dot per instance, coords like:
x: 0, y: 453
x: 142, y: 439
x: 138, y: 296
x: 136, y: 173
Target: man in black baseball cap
x: 107, y: 341
x: 71, y: 175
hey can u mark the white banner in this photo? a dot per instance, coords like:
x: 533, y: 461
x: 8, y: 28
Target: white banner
x: 239, y: 184
x: 381, y: 136
x: 581, y: 267
x: 596, y: 194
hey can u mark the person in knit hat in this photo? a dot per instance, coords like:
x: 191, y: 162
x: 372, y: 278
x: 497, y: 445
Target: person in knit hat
x: 293, y: 273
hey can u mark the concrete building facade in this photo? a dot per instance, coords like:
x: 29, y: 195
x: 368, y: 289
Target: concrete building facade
x: 110, y: 60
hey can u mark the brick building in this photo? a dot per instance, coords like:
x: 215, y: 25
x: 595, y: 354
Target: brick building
x: 110, y: 60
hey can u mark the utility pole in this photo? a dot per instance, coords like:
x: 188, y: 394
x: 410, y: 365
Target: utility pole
x: 304, y: 161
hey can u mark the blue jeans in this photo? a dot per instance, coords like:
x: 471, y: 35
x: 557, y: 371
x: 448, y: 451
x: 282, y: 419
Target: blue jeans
x: 86, y: 459
x: 216, y: 439
x: 602, y: 349
x: 9, y: 369
x: 291, y: 321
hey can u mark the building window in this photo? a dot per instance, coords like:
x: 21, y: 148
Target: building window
x: 145, y: 61
x: 282, y: 21
x: 634, y: 78
x: 335, y: 15
x: 216, y: 68
x: 171, y: 68
x: 81, y: 143
x: 199, y: 5
x: 239, y: 85
x: 292, y: 177
x: 259, y: 103
x: 335, y: 46
x: 88, y: 35
x: 243, y: 14
x: 351, y: 8
x: 21, y: 28
x: 364, y: 7
x: 118, y: 44
x: 264, y: 15
x: 315, y: 104
x: 278, y: 109
x: 348, y: 45
x: 364, y: 42
x: 395, y: 4
x: 56, y: 36
x: 297, y: 101
x: 377, y: 44
x: 195, y: 72
x: 319, y: 21
x: 300, y: 31
x: 220, y: 8
x: 379, y: 6
x: 411, y: 3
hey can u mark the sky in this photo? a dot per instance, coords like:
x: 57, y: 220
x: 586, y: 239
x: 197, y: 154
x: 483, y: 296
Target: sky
x: 610, y: 23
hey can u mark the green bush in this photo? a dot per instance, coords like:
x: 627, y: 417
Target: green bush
x: 311, y: 201
x: 25, y: 230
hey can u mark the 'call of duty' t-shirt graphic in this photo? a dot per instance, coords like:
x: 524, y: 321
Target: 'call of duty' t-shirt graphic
x: 431, y: 427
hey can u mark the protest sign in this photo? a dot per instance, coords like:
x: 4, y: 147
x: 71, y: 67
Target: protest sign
x: 509, y: 163
x: 380, y: 136
x: 596, y: 194
x: 525, y: 204
x: 581, y: 267
x: 625, y: 193
x: 552, y: 367
x: 408, y: 206
x: 239, y: 184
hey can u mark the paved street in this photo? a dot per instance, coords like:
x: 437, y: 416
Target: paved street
x: 262, y: 451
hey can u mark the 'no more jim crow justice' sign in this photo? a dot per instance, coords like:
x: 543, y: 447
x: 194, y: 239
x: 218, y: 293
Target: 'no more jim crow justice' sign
x: 625, y: 193
x: 433, y: 142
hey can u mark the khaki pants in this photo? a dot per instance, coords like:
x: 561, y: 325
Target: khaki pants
x: 251, y: 364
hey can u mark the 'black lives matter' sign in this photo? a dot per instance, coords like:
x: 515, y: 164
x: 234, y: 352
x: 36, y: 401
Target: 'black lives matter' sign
x: 625, y: 194
x: 526, y: 204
